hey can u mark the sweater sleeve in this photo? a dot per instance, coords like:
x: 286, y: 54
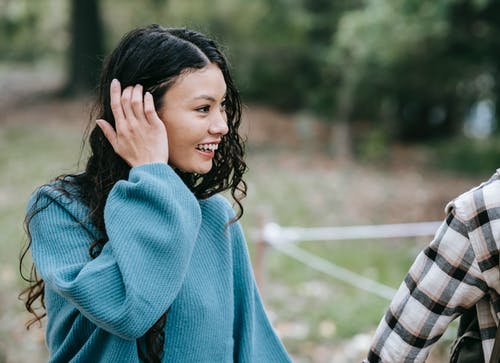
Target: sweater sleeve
x: 152, y: 221
x: 254, y: 337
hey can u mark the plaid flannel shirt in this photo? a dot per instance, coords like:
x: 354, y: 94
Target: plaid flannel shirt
x: 458, y: 269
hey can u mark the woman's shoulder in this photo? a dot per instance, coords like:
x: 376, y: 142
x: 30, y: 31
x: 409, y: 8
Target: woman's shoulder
x: 62, y: 191
x: 218, y: 203
x: 217, y: 208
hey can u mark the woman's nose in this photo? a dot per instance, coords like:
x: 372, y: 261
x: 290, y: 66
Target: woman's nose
x: 218, y: 126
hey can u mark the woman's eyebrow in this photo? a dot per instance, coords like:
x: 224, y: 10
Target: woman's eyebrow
x: 208, y: 97
x: 204, y: 97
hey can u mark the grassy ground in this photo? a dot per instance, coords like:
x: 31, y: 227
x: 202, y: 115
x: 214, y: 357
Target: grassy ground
x: 319, y: 318
x: 30, y: 154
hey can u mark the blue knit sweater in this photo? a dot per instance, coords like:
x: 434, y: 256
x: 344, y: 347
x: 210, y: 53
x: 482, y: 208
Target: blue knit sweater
x: 166, y: 250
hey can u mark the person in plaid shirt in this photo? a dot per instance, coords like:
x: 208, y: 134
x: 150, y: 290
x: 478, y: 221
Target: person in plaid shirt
x: 459, y: 269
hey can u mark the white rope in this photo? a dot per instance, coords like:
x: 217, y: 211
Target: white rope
x: 274, y: 232
x: 282, y: 239
x: 335, y: 271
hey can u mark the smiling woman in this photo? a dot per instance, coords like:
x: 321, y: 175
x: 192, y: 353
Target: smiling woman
x: 195, y: 118
x: 139, y: 257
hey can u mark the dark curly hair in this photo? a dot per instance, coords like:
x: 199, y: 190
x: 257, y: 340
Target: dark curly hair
x: 153, y: 56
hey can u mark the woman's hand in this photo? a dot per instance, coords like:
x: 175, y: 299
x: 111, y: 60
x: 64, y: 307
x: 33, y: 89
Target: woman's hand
x: 139, y: 136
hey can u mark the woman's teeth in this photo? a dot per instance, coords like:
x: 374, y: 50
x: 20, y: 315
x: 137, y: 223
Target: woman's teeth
x: 207, y: 147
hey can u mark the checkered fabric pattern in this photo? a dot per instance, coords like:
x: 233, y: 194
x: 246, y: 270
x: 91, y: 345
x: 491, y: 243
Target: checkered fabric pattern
x: 458, y: 269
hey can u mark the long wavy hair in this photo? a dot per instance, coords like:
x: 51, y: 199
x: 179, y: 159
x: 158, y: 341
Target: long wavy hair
x: 153, y: 56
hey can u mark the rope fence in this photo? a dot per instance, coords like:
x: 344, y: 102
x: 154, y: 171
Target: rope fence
x: 285, y: 240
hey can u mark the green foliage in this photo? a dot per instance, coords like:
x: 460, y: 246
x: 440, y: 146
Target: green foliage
x: 18, y: 23
x: 32, y: 29
x: 373, y: 146
x: 423, y: 56
x: 384, y: 32
x: 467, y: 156
x: 345, y: 60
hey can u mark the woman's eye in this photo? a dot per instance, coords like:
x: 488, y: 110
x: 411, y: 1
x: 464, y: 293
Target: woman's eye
x: 203, y: 109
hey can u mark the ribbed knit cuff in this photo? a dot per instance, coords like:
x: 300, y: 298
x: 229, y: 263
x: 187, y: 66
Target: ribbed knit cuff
x: 153, y: 168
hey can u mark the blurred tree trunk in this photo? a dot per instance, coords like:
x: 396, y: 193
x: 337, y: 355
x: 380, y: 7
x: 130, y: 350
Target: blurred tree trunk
x: 340, y: 138
x: 341, y: 147
x: 86, y: 47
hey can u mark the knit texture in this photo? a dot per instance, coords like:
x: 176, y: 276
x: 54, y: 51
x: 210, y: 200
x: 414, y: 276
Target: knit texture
x: 166, y: 250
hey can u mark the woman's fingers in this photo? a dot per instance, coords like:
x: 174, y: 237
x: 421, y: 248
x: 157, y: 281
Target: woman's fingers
x: 150, y: 111
x: 127, y: 106
x: 137, y: 100
x: 126, y: 102
x: 139, y: 136
x: 115, y: 94
x: 108, y: 131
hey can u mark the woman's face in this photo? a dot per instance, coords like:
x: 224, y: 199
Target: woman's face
x: 195, y: 118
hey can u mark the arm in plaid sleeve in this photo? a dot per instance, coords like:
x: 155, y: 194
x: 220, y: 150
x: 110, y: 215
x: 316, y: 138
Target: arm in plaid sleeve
x: 444, y: 280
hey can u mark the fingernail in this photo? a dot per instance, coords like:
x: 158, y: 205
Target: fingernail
x: 115, y: 81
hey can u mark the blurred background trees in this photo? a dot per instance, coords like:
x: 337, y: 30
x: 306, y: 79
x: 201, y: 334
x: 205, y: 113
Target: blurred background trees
x: 429, y: 62
x: 85, y: 53
x: 410, y: 70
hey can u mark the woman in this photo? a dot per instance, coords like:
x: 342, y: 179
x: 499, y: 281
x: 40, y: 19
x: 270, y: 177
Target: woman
x: 139, y: 258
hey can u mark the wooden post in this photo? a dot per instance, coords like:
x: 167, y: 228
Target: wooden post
x: 260, y: 250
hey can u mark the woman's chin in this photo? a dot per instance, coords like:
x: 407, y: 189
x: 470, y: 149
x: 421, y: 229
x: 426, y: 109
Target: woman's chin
x: 195, y: 169
x: 203, y: 171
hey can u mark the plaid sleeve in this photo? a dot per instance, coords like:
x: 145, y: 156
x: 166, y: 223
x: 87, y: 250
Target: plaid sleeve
x: 443, y: 281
